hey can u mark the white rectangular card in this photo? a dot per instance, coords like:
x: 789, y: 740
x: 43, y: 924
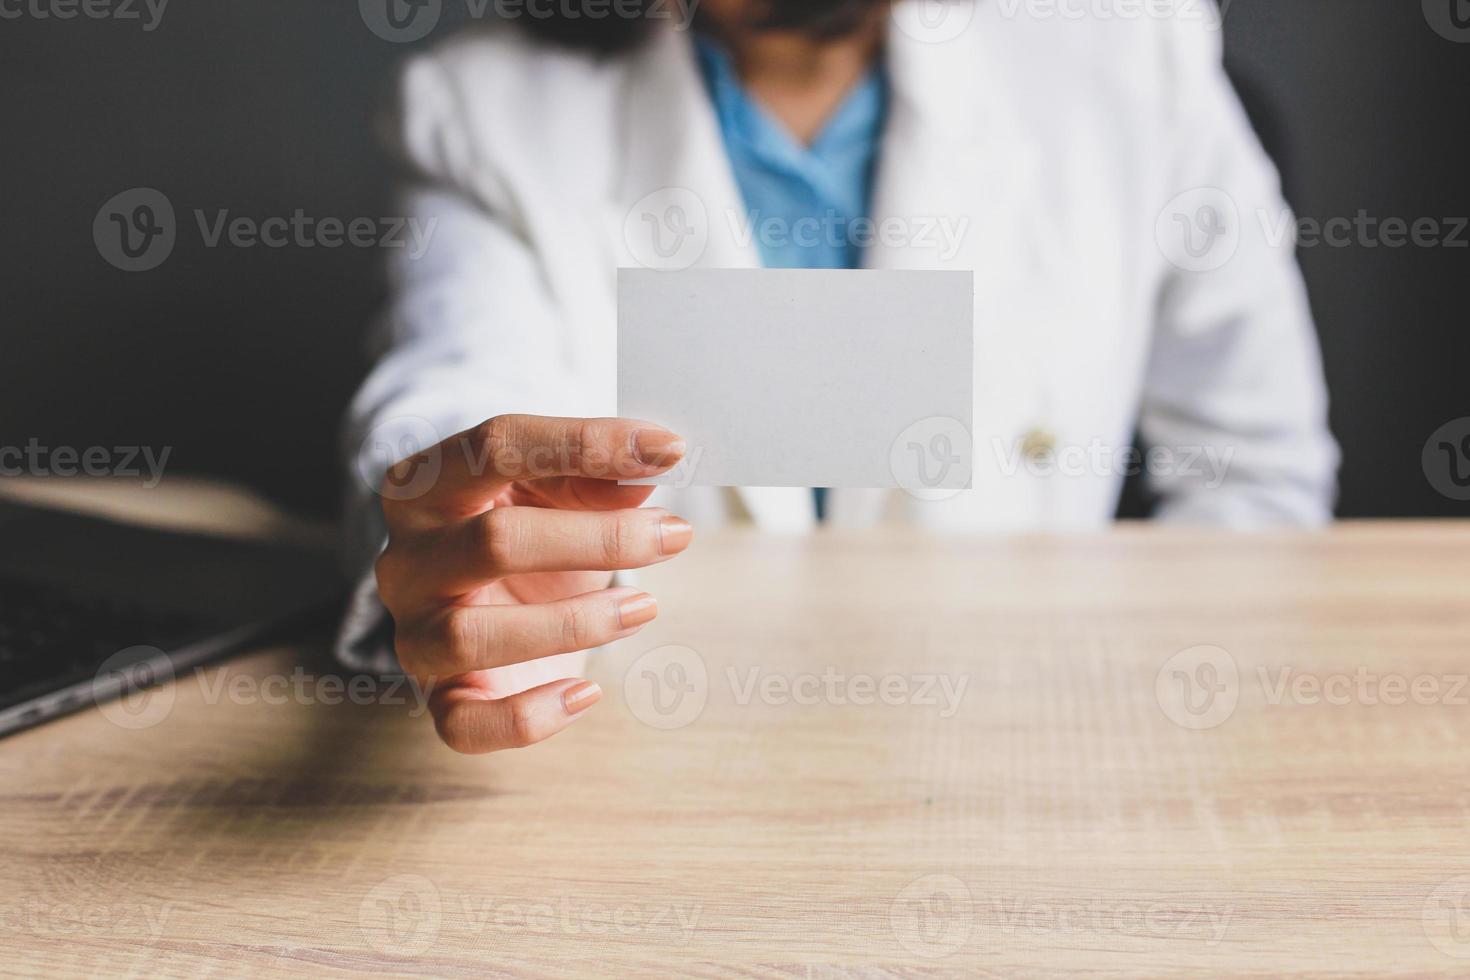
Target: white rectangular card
x: 803, y: 377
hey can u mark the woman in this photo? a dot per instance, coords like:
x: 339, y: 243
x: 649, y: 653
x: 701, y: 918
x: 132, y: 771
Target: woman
x: 1095, y: 171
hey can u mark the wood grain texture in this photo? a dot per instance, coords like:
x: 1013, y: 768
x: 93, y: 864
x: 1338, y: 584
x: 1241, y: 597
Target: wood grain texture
x: 1013, y: 798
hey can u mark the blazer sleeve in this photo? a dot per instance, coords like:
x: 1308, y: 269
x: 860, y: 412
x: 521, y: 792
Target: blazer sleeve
x: 470, y: 331
x: 1234, y: 373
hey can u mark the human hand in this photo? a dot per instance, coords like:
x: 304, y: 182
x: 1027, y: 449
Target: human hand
x: 504, y: 563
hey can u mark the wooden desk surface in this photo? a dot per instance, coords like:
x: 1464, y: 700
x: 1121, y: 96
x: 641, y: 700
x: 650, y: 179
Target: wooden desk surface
x: 834, y: 756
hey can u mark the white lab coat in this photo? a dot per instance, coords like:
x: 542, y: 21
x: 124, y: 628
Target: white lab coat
x: 1060, y: 144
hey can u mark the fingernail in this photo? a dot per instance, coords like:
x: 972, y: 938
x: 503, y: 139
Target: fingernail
x: 637, y: 610
x: 657, y: 447
x: 581, y: 696
x: 674, y: 534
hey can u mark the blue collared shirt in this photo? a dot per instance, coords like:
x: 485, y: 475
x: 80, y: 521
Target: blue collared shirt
x: 806, y: 204
x: 801, y: 201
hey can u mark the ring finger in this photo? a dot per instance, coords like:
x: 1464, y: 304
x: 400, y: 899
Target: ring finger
x: 461, y: 639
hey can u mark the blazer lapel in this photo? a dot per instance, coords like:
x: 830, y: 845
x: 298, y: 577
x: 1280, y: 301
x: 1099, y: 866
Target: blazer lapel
x: 955, y: 172
x: 681, y: 207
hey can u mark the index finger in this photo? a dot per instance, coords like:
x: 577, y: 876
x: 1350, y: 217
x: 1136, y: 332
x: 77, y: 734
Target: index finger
x: 474, y: 465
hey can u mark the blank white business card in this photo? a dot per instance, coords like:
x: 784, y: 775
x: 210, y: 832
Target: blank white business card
x: 803, y: 377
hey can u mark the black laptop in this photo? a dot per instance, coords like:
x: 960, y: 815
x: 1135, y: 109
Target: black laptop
x: 91, y: 609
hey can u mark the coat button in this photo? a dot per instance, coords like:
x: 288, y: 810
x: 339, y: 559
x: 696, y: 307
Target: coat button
x: 1038, y: 445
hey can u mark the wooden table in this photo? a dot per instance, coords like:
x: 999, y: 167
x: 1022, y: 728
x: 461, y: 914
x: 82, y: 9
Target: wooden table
x: 841, y: 755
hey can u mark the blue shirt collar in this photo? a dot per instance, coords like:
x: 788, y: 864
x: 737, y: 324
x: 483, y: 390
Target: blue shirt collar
x: 837, y: 165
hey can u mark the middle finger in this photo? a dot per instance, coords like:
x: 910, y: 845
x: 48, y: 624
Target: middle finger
x: 516, y: 540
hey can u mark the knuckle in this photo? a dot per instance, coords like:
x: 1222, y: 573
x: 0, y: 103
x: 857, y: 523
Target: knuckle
x: 385, y: 567
x: 388, y: 572
x: 495, y: 440
x: 578, y: 432
x: 521, y: 726
x: 616, y: 538
x: 388, y: 503
x: 463, y: 635
x: 405, y: 648
x: 497, y: 538
x: 576, y: 631
x: 415, y: 649
x: 454, y: 726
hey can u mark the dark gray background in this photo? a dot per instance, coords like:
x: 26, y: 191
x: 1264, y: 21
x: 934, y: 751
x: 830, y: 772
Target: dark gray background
x: 242, y: 359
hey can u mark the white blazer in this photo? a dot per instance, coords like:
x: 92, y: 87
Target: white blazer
x: 1096, y: 172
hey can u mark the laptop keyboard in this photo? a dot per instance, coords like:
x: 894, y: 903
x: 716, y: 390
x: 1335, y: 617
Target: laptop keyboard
x: 49, y: 635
